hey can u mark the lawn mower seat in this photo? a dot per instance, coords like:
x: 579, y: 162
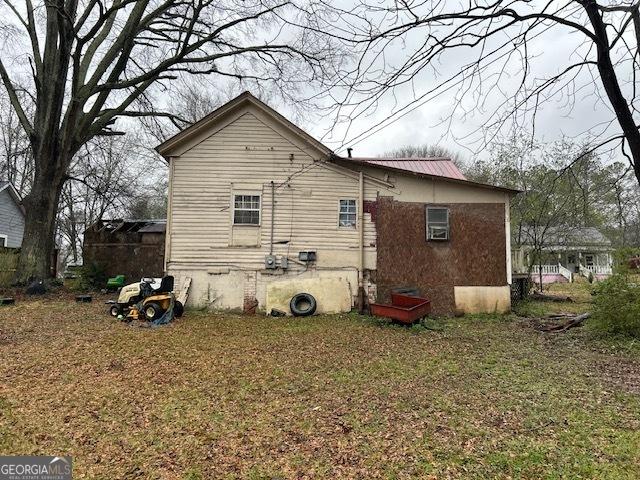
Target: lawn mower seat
x: 166, y: 285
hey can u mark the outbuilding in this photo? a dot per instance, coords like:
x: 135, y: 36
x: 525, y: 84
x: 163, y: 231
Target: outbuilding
x: 129, y: 247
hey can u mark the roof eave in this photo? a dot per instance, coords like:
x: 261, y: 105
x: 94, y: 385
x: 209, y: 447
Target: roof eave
x: 15, y: 195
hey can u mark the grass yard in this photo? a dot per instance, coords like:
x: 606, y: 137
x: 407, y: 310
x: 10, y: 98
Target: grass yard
x: 579, y: 292
x: 328, y: 397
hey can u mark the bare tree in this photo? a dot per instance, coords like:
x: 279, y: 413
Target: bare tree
x: 90, y: 63
x: 104, y: 179
x: 426, y: 151
x: 16, y: 162
x: 625, y: 210
x: 564, y: 186
x: 399, y: 41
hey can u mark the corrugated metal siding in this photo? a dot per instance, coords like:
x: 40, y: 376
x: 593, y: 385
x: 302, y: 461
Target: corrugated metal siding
x: 244, y: 157
x: 441, y: 167
x: 11, y: 220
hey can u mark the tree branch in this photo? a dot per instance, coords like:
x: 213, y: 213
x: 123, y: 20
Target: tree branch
x: 15, y: 102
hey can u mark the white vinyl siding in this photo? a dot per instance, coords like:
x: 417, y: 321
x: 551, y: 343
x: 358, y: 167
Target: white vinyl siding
x: 243, y: 158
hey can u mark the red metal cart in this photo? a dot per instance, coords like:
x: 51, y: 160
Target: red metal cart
x: 403, y: 308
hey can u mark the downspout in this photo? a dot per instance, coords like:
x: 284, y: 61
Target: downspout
x: 273, y: 207
x: 361, y: 296
x: 169, y: 224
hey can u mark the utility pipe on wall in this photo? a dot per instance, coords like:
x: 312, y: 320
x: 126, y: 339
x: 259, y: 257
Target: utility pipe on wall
x: 361, y: 241
x: 169, y: 225
x: 273, y: 208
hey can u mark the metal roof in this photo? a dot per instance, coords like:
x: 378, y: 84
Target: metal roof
x: 152, y: 225
x: 421, y: 167
x: 436, y: 166
x: 565, y: 236
x: 156, y: 227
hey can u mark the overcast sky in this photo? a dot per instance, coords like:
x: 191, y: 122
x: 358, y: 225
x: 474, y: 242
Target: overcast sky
x: 432, y: 121
x: 549, y: 53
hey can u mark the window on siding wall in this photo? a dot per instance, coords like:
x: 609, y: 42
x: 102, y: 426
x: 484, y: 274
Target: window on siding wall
x: 347, y: 216
x: 437, y: 223
x: 3, y: 240
x: 246, y: 210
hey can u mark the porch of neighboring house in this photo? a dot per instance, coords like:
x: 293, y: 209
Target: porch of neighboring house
x: 566, y: 266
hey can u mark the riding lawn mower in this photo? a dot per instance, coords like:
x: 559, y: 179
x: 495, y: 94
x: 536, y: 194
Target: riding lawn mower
x: 143, y: 301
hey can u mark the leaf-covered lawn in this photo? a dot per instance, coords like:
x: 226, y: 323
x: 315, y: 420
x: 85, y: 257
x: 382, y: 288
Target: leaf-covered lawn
x: 344, y: 396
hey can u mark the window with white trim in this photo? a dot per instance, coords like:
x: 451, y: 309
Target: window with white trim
x: 3, y: 240
x: 246, y: 210
x: 348, y: 213
x: 437, y: 223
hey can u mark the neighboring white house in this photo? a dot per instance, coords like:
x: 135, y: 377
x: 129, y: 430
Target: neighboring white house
x: 567, y: 252
x: 259, y: 211
x: 11, y: 216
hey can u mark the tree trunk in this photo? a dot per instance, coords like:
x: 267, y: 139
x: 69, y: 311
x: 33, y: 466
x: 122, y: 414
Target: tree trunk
x: 41, y: 207
x: 611, y: 85
x: 540, y: 275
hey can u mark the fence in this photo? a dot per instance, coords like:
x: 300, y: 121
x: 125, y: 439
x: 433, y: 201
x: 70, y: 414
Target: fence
x: 8, y: 262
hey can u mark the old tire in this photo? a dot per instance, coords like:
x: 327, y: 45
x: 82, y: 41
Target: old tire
x: 152, y: 311
x: 178, y: 309
x: 303, y: 305
x: 114, y: 311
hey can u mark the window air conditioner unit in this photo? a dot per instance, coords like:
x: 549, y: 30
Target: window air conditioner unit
x: 438, y: 233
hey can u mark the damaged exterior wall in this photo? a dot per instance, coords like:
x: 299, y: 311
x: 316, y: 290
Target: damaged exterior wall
x: 474, y: 255
x: 235, y: 290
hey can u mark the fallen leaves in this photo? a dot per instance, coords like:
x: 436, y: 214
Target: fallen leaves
x: 227, y: 396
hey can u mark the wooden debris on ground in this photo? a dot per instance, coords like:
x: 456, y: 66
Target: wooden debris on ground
x: 571, y: 321
x: 184, y: 290
x: 549, y: 298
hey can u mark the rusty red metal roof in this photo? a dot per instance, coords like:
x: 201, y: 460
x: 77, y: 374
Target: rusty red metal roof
x: 436, y: 166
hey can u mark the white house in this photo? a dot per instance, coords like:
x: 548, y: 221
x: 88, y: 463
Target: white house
x: 259, y: 211
x: 568, y: 252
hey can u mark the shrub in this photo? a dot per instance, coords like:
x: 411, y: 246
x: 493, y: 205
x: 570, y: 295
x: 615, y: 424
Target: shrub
x: 622, y: 259
x: 92, y: 276
x: 617, y: 306
x: 8, y: 262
